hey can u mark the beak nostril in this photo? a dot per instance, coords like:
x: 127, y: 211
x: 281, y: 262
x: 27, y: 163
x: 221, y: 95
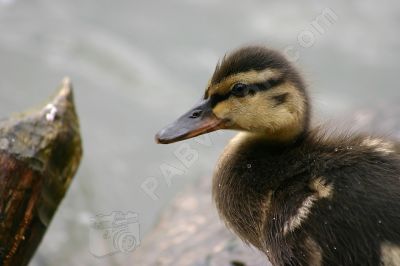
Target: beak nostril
x: 196, y: 114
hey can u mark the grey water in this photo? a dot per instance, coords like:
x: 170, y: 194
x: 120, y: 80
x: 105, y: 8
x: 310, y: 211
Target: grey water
x: 137, y: 65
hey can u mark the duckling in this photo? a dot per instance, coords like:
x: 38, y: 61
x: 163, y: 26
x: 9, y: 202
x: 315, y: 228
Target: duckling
x: 298, y: 194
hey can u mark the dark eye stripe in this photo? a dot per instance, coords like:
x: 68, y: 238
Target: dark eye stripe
x: 280, y: 99
x: 253, y: 89
x: 217, y: 98
x: 269, y: 84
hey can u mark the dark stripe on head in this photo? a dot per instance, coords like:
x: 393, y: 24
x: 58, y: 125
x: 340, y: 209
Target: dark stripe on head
x: 263, y: 86
x: 217, y: 98
x: 257, y: 58
x: 247, y: 59
x: 281, y: 98
x: 252, y: 89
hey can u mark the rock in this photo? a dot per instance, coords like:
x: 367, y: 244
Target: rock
x: 190, y: 233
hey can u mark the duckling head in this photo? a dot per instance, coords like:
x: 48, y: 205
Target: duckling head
x: 253, y: 89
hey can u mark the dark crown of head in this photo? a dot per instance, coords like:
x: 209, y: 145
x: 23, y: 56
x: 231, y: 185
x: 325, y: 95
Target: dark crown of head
x: 254, y: 58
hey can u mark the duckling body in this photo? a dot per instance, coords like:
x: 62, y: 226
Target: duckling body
x: 317, y: 201
x: 297, y: 194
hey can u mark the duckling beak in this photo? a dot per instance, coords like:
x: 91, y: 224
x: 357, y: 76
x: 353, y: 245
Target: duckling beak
x: 199, y: 120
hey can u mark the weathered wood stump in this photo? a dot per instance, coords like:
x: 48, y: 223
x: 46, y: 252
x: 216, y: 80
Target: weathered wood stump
x: 39, y: 154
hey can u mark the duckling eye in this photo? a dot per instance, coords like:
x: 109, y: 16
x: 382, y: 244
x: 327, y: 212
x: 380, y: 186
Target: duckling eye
x: 240, y: 90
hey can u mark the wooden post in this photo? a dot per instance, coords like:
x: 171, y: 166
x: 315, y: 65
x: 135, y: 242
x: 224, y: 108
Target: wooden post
x: 40, y: 152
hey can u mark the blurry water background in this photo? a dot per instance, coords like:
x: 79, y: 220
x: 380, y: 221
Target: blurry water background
x: 137, y: 65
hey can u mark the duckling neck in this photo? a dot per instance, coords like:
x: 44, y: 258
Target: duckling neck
x: 281, y: 137
x: 285, y: 132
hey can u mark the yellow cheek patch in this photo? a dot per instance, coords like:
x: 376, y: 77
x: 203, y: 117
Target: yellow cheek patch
x: 249, y: 77
x: 245, y: 112
x: 259, y: 112
x: 221, y: 109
